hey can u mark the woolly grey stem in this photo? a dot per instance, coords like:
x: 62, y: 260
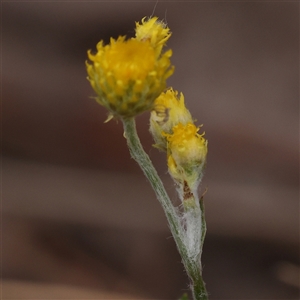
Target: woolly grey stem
x: 192, y: 265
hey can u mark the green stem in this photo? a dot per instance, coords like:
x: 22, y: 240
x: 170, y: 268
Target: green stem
x: 193, y: 266
x: 140, y: 156
x: 198, y: 288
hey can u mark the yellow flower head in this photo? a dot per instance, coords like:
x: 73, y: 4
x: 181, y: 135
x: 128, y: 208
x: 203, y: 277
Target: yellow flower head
x: 187, y: 152
x: 127, y: 75
x: 153, y: 30
x: 169, y: 110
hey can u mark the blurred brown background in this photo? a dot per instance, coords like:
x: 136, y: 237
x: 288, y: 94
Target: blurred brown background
x: 79, y: 220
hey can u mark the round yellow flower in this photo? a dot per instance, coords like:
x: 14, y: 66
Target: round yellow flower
x: 127, y: 75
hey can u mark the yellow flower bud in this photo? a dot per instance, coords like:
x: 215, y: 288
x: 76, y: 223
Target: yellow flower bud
x: 169, y: 110
x: 153, y: 30
x: 127, y: 75
x: 187, y: 152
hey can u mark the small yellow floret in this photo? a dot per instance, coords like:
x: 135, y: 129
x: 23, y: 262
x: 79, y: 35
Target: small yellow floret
x: 127, y: 75
x: 187, y: 151
x: 186, y: 145
x: 169, y: 110
x: 153, y: 30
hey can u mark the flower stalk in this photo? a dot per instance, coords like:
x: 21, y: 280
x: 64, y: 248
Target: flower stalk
x: 192, y: 264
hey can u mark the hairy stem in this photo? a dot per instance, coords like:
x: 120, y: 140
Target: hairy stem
x: 192, y: 265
